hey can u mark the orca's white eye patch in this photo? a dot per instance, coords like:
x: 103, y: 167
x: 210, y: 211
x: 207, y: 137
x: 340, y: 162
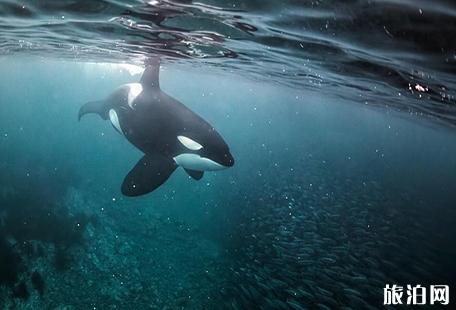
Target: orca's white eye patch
x: 115, y: 120
x: 189, y: 143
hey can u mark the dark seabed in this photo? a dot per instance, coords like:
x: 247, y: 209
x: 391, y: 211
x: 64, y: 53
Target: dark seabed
x: 341, y: 117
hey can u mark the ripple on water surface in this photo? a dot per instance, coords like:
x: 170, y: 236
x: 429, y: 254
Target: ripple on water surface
x: 395, y: 53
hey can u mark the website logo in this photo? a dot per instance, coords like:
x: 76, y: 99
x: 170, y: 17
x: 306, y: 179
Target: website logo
x: 416, y: 295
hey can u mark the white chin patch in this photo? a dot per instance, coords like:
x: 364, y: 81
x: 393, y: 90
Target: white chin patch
x: 134, y: 90
x: 115, y: 120
x: 196, y: 162
x: 189, y: 143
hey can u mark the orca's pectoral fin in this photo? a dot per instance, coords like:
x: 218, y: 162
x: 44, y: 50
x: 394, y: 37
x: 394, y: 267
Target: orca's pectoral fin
x: 148, y: 174
x: 195, y: 174
x: 93, y: 107
x: 150, y: 77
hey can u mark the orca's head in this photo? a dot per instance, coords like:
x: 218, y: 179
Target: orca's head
x: 212, y: 155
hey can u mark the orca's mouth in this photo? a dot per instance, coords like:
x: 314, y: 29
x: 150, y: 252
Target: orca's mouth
x: 228, y: 160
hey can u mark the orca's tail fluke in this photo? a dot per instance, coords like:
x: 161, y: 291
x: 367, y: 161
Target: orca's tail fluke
x: 93, y: 107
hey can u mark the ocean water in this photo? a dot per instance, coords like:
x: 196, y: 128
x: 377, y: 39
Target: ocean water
x: 340, y: 117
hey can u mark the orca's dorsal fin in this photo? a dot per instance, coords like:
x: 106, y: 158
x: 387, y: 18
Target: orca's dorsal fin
x: 151, y: 75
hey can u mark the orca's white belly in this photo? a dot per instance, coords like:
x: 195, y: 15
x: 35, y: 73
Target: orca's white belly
x: 196, y: 162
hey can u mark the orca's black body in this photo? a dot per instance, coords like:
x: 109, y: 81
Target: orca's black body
x: 167, y: 132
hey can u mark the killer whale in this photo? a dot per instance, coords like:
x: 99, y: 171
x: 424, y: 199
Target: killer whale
x: 165, y: 130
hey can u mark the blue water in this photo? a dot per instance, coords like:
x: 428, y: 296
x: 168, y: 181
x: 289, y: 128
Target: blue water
x: 344, y: 144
